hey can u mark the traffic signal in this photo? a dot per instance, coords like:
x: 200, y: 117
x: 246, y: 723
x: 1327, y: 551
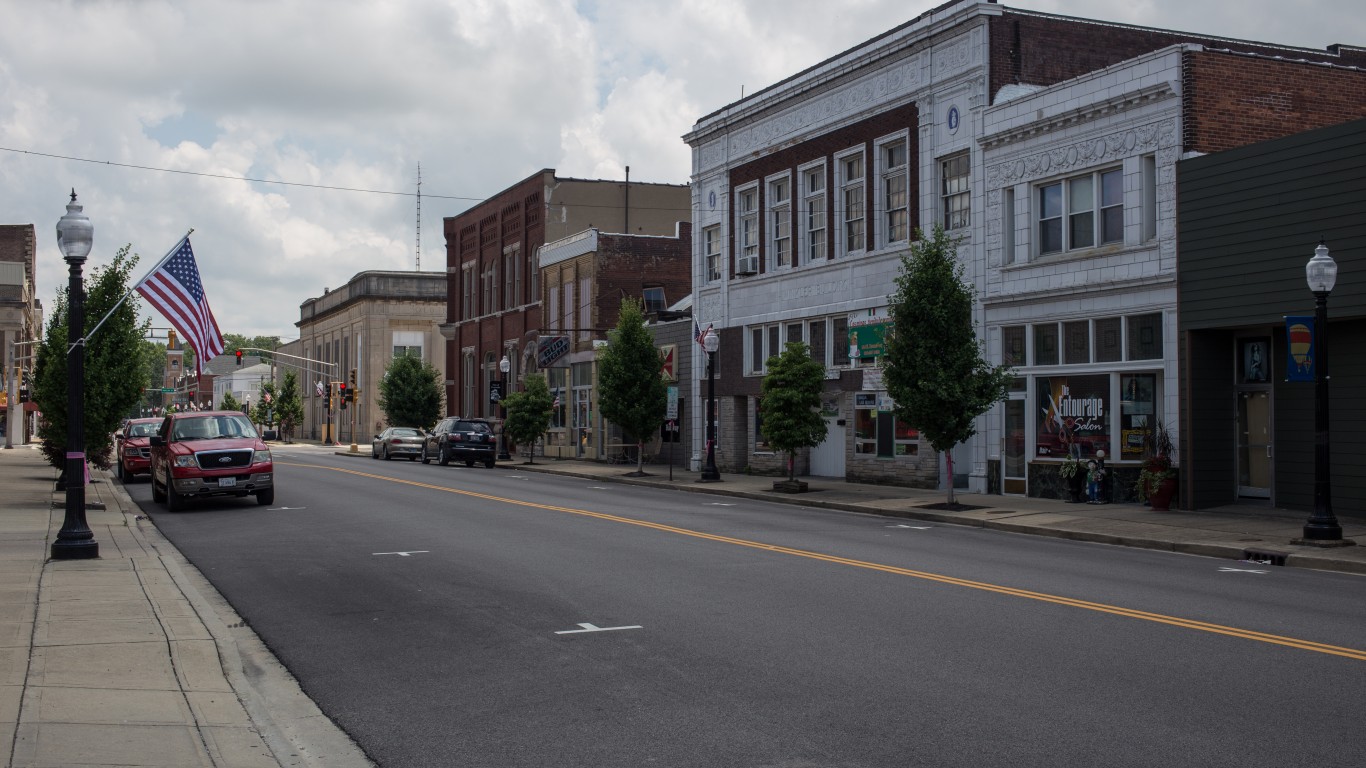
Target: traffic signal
x: 343, y: 394
x: 239, y: 357
x: 353, y: 378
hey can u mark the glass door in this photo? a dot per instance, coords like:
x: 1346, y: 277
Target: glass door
x: 1254, y: 444
x: 1013, y: 453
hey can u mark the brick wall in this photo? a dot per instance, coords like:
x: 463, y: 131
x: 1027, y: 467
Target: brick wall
x: 862, y: 133
x: 1232, y: 101
x: 1042, y: 50
x: 627, y: 264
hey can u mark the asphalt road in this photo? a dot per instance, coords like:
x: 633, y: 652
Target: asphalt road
x: 437, y: 614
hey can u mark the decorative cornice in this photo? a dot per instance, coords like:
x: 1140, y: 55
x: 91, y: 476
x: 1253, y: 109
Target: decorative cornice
x: 1093, y: 111
x: 1083, y: 152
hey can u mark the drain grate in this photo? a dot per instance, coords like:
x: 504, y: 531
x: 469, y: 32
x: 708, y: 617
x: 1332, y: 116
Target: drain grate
x: 1264, y: 556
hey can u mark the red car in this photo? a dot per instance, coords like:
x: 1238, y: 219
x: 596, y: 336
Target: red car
x: 210, y: 453
x: 135, y: 456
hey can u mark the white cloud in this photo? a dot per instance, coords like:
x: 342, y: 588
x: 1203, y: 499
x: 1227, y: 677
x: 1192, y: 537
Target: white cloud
x: 481, y: 92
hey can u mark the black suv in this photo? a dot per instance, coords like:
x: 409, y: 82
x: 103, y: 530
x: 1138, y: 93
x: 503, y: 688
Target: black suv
x: 467, y: 440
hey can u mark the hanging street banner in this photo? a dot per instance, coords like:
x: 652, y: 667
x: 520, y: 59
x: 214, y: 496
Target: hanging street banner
x: 1299, y: 336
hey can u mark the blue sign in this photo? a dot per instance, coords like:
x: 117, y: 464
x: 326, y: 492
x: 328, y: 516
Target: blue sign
x: 953, y: 119
x: 1299, y: 345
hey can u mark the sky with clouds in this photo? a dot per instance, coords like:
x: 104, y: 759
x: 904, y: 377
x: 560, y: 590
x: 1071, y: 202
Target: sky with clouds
x: 355, y: 95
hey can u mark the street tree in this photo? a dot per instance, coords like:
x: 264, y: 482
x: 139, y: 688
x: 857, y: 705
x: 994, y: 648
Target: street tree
x: 264, y: 412
x: 410, y: 393
x: 529, y: 413
x: 790, y: 400
x: 229, y: 403
x: 934, y: 368
x: 631, y: 390
x: 114, y: 373
x: 289, y: 407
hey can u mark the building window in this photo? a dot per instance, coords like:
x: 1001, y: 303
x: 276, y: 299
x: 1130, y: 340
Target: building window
x: 408, y: 343
x: 1077, y: 341
x: 748, y: 228
x: 711, y: 247
x: 1149, y: 197
x: 552, y: 314
x: 1145, y: 337
x: 897, y: 437
x: 813, y: 223
x: 1082, y: 212
x: 1046, y: 344
x: 491, y: 372
x: 957, y: 193
x: 1073, y: 419
x: 585, y: 308
x: 817, y: 341
x: 780, y: 221
x: 1107, y: 336
x: 852, y: 210
x: 510, y: 277
x: 839, y: 350
x: 654, y: 299
x: 467, y: 379
x: 895, y: 192
x: 1007, y: 226
x: 568, y: 308
x: 467, y: 292
x: 1013, y: 345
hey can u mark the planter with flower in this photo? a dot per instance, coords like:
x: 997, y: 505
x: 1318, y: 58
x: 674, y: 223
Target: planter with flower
x: 1157, y: 479
x: 1073, y: 474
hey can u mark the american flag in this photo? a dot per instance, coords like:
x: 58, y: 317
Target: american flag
x: 174, y: 290
x: 699, y: 335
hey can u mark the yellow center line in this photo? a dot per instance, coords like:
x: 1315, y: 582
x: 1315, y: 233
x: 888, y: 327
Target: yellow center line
x: 1176, y: 621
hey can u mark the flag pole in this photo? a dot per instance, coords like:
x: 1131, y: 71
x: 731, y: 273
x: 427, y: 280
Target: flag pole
x: 81, y: 341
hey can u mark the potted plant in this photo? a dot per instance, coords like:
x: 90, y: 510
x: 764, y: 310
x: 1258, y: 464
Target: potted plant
x: 1073, y: 472
x: 1157, y: 479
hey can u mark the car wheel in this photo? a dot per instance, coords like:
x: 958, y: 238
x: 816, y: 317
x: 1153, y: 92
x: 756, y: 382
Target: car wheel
x: 158, y: 493
x: 412, y: 458
x: 469, y: 462
x: 265, y: 498
x: 424, y: 454
x: 174, y: 501
x: 490, y: 463
x: 373, y: 453
x: 120, y: 474
x: 387, y: 457
x: 441, y: 457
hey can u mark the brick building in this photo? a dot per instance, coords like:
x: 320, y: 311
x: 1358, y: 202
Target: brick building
x: 21, y: 324
x: 584, y: 278
x: 1047, y: 145
x: 494, y: 292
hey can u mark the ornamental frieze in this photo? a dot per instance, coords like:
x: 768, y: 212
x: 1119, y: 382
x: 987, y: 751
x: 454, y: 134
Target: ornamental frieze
x: 1084, y: 153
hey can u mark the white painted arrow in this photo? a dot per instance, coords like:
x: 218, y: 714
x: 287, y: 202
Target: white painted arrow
x: 404, y: 554
x: 913, y: 527
x: 592, y: 628
x: 717, y: 504
x: 1239, y: 570
x: 282, y: 509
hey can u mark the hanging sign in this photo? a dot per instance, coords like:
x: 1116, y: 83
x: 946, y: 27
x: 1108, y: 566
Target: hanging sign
x: 549, y: 350
x: 1299, y: 336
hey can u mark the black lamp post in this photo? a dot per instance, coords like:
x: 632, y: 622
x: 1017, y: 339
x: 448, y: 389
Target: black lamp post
x: 75, y: 236
x: 711, y: 342
x: 1322, y: 274
x: 504, y: 366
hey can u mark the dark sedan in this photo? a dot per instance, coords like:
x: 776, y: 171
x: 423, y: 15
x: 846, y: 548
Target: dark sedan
x: 397, y: 441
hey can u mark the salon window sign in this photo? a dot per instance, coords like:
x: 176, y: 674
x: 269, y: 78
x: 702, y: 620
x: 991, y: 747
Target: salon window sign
x: 1073, y: 417
x: 1299, y: 337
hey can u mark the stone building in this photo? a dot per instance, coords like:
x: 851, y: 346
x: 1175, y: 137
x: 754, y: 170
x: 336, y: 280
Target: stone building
x: 361, y: 326
x: 1046, y: 145
x: 21, y: 325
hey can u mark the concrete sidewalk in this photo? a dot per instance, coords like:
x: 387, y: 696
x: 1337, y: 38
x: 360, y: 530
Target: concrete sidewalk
x: 132, y: 658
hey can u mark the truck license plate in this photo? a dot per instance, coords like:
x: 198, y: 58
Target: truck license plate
x: 227, y: 482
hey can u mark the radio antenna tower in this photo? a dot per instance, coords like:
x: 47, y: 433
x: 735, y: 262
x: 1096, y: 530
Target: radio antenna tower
x: 419, y: 216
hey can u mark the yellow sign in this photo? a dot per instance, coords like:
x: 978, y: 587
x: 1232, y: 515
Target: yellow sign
x: 4, y: 399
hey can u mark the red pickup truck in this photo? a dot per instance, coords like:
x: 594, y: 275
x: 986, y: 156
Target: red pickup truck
x: 210, y: 453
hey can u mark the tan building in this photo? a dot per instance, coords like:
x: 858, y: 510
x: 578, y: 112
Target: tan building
x: 362, y: 326
x: 20, y: 325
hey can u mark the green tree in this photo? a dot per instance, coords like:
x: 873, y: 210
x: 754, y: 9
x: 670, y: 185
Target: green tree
x: 289, y: 406
x: 410, y: 393
x: 263, y: 412
x: 529, y: 413
x: 235, y: 341
x: 229, y: 403
x: 790, y: 400
x: 935, y: 371
x: 631, y: 391
x: 113, y: 364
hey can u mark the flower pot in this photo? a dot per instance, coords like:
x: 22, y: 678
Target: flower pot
x: 1161, y: 498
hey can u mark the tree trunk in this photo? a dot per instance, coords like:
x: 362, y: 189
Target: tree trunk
x: 791, y: 466
x: 948, y: 456
x: 640, y: 458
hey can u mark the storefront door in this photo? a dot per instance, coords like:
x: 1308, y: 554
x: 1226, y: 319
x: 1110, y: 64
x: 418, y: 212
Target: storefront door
x: 1254, y: 444
x: 1013, y: 451
x: 827, y: 459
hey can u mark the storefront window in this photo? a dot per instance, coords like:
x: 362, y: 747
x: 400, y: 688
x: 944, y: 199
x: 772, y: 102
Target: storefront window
x: 761, y: 444
x: 865, y: 424
x: 1138, y: 408
x: 1073, y: 417
x: 868, y: 420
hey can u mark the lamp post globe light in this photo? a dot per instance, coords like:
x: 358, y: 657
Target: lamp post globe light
x: 711, y: 342
x: 504, y: 366
x: 75, y: 235
x: 1322, y: 274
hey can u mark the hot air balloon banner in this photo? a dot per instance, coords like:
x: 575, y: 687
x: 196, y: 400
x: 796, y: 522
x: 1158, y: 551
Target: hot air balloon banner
x: 1299, y: 335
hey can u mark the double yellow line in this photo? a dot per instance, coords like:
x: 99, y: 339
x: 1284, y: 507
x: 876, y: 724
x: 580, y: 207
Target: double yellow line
x: 1175, y: 621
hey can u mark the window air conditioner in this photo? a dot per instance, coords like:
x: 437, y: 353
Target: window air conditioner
x: 747, y: 265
